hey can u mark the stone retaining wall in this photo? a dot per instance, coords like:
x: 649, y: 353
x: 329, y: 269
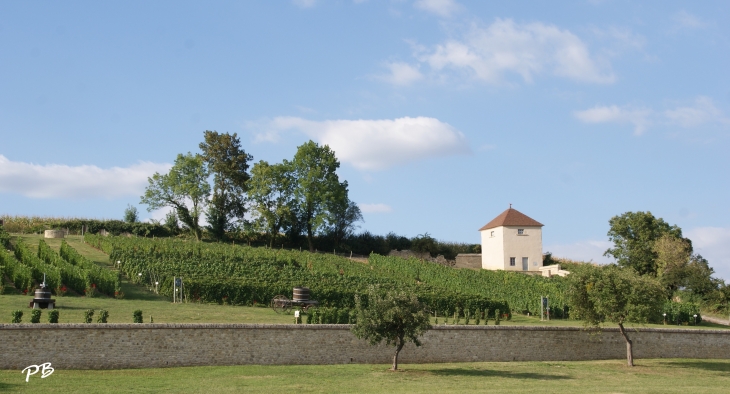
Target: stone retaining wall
x: 105, y: 346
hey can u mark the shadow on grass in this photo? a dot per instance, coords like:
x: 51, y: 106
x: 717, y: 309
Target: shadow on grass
x: 718, y: 366
x: 485, y: 373
x: 7, y: 386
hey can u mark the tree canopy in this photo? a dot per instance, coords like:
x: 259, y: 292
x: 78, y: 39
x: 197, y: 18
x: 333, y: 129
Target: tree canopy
x: 634, y: 235
x: 394, y: 317
x: 271, y: 194
x: 614, y: 294
x: 186, y: 183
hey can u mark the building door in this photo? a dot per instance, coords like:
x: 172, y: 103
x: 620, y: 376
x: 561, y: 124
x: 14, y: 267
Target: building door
x: 525, y: 264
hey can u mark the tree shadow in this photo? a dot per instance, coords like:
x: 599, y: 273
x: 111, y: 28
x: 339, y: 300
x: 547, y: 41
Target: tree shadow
x: 485, y: 373
x: 717, y: 366
x: 7, y: 386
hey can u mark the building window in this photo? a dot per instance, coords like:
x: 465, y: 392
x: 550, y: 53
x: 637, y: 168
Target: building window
x: 512, y: 261
x: 492, y: 234
x: 520, y: 231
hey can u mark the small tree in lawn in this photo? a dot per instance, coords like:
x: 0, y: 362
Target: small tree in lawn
x: 613, y: 294
x: 396, y: 317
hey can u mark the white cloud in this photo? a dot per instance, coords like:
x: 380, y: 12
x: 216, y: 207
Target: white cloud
x: 703, y: 111
x: 401, y: 74
x: 375, y: 208
x: 442, y: 8
x: 713, y: 243
x: 304, y: 3
x: 505, y: 47
x: 684, y: 19
x: 589, y: 250
x: 639, y: 118
x: 76, y: 182
x: 377, y: 144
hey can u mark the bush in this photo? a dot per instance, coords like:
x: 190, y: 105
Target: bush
x: 497, y: 316
x: 88, y: 315
x: 103, y: 316
x: 17, y: 317
x: 35, y: 316
x: 53, y: 316
x: 137, y: 316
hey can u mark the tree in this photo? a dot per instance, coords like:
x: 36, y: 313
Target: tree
x: 130, y: 214
x: 634, y: 235
x: 171, y: 222
x: 396, y: 317
x: 614, y: 294
x: 228, y: 163
x: 317, y: 186
x: 343, y: 214
x: 271, y: 193
x: 671, y: 262
x: 186, y: 183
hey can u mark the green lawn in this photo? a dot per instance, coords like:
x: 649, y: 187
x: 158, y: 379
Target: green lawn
x: 649, y: 376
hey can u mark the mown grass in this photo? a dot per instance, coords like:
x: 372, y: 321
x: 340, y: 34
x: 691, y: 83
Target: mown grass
x: 649, y: 376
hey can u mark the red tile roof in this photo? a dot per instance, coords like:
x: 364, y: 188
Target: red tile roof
x: 512, y: 217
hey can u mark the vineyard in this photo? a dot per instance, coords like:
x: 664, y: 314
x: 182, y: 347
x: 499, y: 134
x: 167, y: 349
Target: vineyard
x: 69, y: 269
x: 242, y: 275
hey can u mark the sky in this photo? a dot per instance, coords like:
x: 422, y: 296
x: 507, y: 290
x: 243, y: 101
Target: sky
x: 441, y: 112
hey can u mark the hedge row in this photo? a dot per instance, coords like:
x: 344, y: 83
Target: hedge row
x: 72, y: 276
x: 102, y: 279
x: 38, y: 267
x: 19, y: 274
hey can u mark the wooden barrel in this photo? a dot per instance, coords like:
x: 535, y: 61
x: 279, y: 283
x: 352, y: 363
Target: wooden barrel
x: 301, y: 294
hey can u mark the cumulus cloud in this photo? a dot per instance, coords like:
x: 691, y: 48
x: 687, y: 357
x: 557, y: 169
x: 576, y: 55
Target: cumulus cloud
x: 401, y: 74
x: 442, y: 8
x: 590, y: 250
x: 377, y: 144
x: 505, y: 47
x: 703, y: 111
x: 639, y: 118
x: 75, y: 182
x: 375, y: 208
x: 713, y: 243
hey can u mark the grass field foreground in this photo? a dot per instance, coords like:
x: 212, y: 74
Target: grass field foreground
x: 649, y: 376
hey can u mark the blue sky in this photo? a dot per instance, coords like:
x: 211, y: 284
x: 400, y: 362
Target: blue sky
x: 441, y: 112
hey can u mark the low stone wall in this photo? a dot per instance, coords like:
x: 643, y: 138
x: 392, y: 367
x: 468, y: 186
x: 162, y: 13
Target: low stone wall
x: 55, y: 233
x: 106, y: 346
x: 469, y: 260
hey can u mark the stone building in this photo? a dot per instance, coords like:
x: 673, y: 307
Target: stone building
x: 512, y: 241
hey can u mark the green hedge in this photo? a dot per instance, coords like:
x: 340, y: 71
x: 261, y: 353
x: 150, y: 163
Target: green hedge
x: 682, y: 312
x: 72, y: 276
x: 19, y: 274
x: 96, y: 278
x: 38, y: 267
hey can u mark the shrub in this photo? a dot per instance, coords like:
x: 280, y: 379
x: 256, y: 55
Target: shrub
x: 88, y: 315
x: 477, y: 317
x: 497, y: 316
x: 53, y: 316
x: 103, y: 316
x: 137, y: 316
x: 35, y: 316
x: 17, y: 316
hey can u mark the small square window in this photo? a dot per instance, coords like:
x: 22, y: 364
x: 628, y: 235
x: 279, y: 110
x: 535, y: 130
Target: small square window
x: 520, y: 231
x: 512, y: 261
x: 492, y: 234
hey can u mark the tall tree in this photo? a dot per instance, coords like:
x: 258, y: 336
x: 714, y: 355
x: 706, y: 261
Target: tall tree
x: 633, y: 235
x: 186, y: 183
x: 673, y: 256
x: 343, y: 214
x: 228, y: 163
x: 317, y: 186
x: 395, y: 317
x: 271, y: 193
x: 614, y: 294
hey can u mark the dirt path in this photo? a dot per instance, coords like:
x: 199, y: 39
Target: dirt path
x: 716, y: 320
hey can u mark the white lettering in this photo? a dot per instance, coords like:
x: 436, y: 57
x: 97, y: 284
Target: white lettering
x: 45, y: 369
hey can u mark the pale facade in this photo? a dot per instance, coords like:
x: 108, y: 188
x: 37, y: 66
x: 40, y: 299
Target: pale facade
x: 512, y: 242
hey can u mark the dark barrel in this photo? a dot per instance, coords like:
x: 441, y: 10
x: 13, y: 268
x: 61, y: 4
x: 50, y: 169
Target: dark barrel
x: 301, y: 294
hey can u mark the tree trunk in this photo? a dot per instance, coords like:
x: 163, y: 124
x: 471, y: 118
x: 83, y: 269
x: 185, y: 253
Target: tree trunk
x: 629, y: 346
x: 309, y: 238
x: 395, y: 356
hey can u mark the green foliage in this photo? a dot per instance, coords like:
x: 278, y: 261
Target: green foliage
x: 103, y: 316
x: 17, y: 316
x: 95, y: 277
x: 681, y: 312
x: 4, y: 238
x: 38, y: 267
x: 395, y: 317
x: 35, y: 316
x: 35, y: 225
x: 130, y: 214
x: 187, y: 182
x: 88, y: 316
x: 497, y: 316
x: 53, y: 316
x: 19, y: 274
x: 72, y: 276
x: 634, y: 235
x: 271, y: 190
x: 137, y: 316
